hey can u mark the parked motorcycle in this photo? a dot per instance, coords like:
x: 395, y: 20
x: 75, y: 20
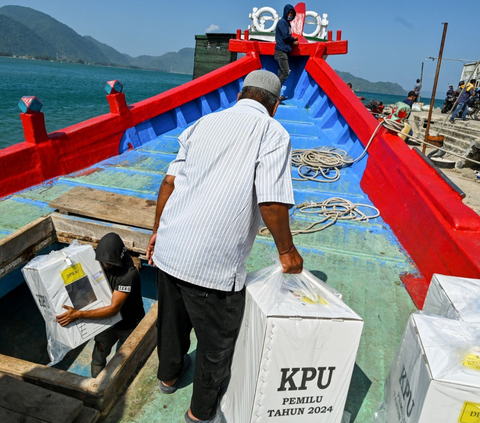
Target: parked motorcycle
x: 474, y: 111
x: 448, y: 103
x: 474, y: 107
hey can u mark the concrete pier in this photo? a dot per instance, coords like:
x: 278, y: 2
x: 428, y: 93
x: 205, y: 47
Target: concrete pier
x: 461, y: 138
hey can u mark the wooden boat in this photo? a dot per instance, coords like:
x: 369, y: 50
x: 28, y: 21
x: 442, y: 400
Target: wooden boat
x: 382, y: 266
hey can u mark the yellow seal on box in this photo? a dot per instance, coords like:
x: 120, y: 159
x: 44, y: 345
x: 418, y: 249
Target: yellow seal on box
x: 72, y: 273
x: 470, y: 413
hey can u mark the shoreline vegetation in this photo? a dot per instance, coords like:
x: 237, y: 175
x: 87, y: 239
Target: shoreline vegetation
x: 82, y: 62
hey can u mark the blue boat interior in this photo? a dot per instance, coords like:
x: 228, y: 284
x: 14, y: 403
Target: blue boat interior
x: 363, y: 260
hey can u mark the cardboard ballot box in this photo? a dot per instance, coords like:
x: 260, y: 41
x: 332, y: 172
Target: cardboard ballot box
x: 295, y: 352
x: 453, y: 297
x: 435, y: 376
x: 74, y: 278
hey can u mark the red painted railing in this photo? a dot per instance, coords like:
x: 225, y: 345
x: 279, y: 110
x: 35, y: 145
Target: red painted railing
x: 440, y: 233
x: 42, y: 157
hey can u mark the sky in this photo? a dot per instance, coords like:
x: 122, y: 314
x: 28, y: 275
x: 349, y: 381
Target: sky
x: 387, y: 41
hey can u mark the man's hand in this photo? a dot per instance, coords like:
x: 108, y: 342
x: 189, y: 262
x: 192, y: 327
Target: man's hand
x: 68, y: 317
x: 151, y: 248
x: 291, y: 260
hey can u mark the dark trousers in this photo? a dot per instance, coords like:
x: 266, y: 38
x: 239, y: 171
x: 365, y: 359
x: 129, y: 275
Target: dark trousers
x: 283, y: 68
x: 215, y: 316
x: 104, y: 343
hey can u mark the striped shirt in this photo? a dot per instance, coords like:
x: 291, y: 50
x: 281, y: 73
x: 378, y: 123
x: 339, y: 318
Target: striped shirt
x: 228, y: 163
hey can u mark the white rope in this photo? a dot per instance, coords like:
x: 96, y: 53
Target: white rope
x: 323, y: 160
x: 330, y: 211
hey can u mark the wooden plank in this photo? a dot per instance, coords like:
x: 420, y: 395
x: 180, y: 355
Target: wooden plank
x: 9, y: 416
x: 30, y: 235
x: 107, y: 206
x: 33, y: 401
x: 90, y: 231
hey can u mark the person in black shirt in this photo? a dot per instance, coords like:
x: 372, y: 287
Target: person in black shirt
x: 124, y: 281
x: 410, y: 99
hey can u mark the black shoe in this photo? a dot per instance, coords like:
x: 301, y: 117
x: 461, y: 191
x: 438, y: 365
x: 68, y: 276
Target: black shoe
x: 187, y: 361
x: 452, y: 121
x: 281, y: 98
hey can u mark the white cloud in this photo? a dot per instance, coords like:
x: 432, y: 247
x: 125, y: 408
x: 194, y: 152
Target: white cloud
x: 212, y: 28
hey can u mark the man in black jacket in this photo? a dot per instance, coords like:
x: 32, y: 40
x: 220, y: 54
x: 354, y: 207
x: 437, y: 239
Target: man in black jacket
x: 284, y: 42
x: 124, y: 281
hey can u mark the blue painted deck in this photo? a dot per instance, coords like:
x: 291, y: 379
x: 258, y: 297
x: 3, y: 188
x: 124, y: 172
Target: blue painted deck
x: 363, y: 260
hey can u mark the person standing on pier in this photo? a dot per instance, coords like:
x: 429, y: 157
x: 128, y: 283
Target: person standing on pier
x: 232, y: 167
x: 417, y: 89
x: 284, y: 42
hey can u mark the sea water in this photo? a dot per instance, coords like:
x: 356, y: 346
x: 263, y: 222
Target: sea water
x: 70, y: 93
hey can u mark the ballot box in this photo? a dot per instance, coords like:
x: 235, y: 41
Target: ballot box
x: 453, y: 297
x: 295, y: 352
x: 71, y: 277
x: 435, y: 376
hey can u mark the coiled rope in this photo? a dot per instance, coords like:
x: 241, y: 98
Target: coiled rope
x: 334, y: 208
x: 322, y: 161
x: 330, y: 211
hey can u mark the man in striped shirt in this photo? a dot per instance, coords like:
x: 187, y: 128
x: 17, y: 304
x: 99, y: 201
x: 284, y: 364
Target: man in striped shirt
x: 232, y: 167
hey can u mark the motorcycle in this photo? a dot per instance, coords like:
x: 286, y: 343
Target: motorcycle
x: 449, y: 102
x: 474, y: 108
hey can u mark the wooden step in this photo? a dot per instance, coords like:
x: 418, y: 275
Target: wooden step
x: 22, y: 402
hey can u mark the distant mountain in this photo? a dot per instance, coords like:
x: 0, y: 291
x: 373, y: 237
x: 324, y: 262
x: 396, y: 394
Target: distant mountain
x: 113, y: 56
x: 181, y: 62
x: 66, y: 42
x: 19, y: 40
x: 360, y: 84
x: 28, y: 32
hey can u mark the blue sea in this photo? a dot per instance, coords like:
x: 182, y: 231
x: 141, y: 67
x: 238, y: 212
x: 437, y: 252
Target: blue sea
x: 72, y: 93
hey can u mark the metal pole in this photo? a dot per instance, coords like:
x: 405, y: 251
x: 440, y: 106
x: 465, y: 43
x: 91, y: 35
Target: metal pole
x: 421, y: 85
x: 432, y: 102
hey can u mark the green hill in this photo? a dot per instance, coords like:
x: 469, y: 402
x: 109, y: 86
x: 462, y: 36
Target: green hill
x: 113, y: 56
x: 360, y: 84
x: 65, y: 41
x: 28, y: 32
x: 19, y: 40
x: 181, y: 62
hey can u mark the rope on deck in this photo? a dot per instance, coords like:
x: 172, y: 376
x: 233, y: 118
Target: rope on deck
x: 330, y: 211
x: 322, y: 161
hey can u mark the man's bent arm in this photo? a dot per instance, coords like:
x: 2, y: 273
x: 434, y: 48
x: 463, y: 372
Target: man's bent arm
x: 275, y: 216
x: 166, y: 189
x: 72, y: 314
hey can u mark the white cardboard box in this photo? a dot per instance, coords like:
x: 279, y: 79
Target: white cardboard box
x: 74, y: 278
x: 428, y: 381
x: 293, y: 360
x: 453, y: 297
